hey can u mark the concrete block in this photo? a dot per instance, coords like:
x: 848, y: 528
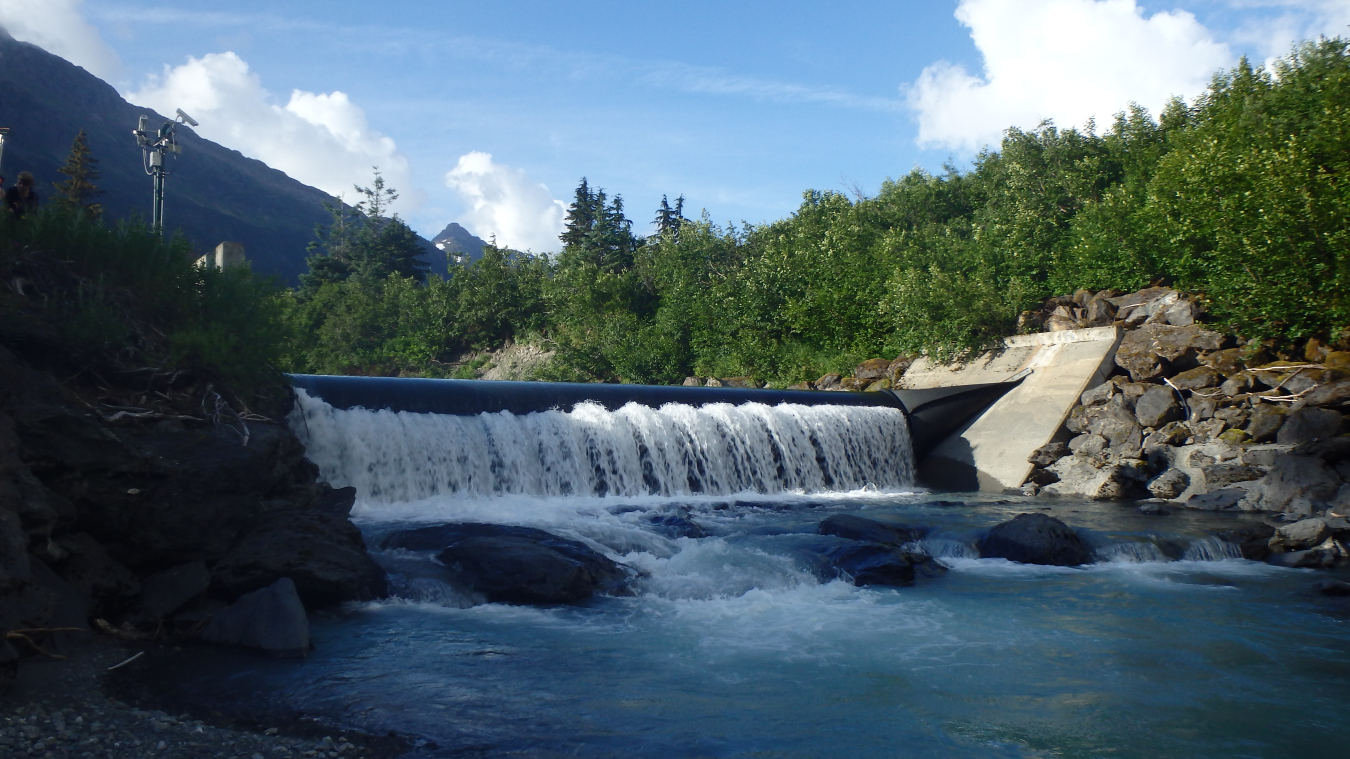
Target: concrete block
x: 990, y: 453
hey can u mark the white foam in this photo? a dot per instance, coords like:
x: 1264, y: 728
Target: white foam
x: 676, y: 450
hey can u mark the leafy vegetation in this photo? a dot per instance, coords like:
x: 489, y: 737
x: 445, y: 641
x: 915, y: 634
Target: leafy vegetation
x: 1242, y: 196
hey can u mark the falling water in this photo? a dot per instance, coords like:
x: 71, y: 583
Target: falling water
x: 675, y: 450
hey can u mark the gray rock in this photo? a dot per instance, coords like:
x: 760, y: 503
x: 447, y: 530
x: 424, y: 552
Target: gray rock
x: 1301, y: 535
x: 1088, y: 445
x: 1088, y: 478
x: 1172, y: 433
x: 1310, y: 424
x: 1157, y: 407
x: 1320, y: 556
x: 1201, y: 408
x: 1169, y: 484
x: 1239, y: 384
x: 1197, y: 379
x: 1156, y: 349
x: 1265, y: 422
x: 1252, y: 540
x: 1332, y: 587
x: 1153, y: 508
x: 1334, y: 394
x: 323, y: 554
x: 271, y: 619
x: 1233, y: 416
x: 876, y: 564
x: 517, y: 570
x: 1263, y: 456
x: 1035, y: 539
x: 1118, y: 426
x: 164, y: 593
x: 693, y: 382
x: 1226, y: 499
x: 1181, y: 313
x: 1221, y: 475
x: 1048, y: 454
x: 1207, y: 430
x: 1098, y: 395
x: 869, y: 530
x: 1291, y: 478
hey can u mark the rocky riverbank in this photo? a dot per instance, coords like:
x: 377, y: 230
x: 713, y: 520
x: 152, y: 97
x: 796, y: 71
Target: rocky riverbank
x: 147, y: 524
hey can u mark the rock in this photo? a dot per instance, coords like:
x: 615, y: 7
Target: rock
x: 1337, y: 361
x: 1041, y: 477
x: 1169, y: 484
x: 881, y: 384
x: 1264, y: 455
x: 1198, y: 378
x: 271, y: 619
x: 853, y: 384
x: 1080, y: 476
x: 1332, y: 587
x: 1321, y: 556
x: 1181, y: 313
x: 1301, y: 535
x: 1035, y: 539
x: 1157, y: 407
x: 1139, y: 297
x: 335, y: 501
x: 1098, y: 395
x: 673, y: 526
x: 869, y: 530
x: 1089, y: 445
x: 1221, y: 475
x: 1227, y: 362
x: 517, y: 570
x: 693, y: 382
x: 742, y: 382
x: 1265, y: 422
x: 1048, y: 454
x: 1100, y: 312
x: 828, y: 382
x: 1253, y: 540
x: 898, y: 367
x: 1060, y: 323
x: 109, y: 586
x: 1172, y: 433
x: 1233, y: 437
x: 1156, y: 349
x: 1310, y: 424
x: 323, y: 554
x: 164, y: 593
x: 800, y: 386
x: 1238, y: 384
x: 1201, y: 408
x: 1118, y: 426
x: 876, y: 564
x: 1233, y: 416
x: 713, y: 382
x: 1226, y: 499
x: 1333, y: 450
x: 1293, y: 477
x: 872, y: 369
x: 1153, y: 508
x: 1207, y: 430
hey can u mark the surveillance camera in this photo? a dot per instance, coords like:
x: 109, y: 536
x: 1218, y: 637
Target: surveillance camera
x: 188, y: 119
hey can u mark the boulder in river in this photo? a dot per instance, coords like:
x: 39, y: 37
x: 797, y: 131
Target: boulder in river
x: 1035, y: 539
x: 271, y: 619
x: 520, y: 565
x: 875, y: 564
x: 869, y: 530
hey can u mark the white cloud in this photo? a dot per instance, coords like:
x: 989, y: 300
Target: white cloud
x: 322, y: 140
x: 1067, y: 60
x: 1274, y: 33
x: 58, y: 26
x: 504, y: 202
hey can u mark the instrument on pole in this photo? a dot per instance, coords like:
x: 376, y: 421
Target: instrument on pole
x: 155, y: 145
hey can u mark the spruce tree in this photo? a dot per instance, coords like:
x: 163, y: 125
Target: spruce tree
x: 76, y: 192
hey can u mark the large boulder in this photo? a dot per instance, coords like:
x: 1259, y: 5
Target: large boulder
x: 1253, y: 540
x: 1086, y: 477
x: 1157, y: 407
x: 1290, y: 480
x: 165, y: 592
x: 872, y: 369
x: 1265, y: 421
x: 1169, y: 484
x: 1301, y: 535
x: 1161, y: 349
x: 1333, y: 394
x: 323, y: 554
x: 1198, y: 378
x: 869, y: 530
x: 1310, y: 424
x: 271, y: 619
x: 521, y: 565
x: 876, y: 564
x: 1035, y: 539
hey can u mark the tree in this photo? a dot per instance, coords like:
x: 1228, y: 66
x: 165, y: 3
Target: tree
x: 362, y: 242
x: 668, y: 220
x: 76, y: 192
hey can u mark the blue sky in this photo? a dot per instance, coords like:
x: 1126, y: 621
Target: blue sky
x: 489, y: 113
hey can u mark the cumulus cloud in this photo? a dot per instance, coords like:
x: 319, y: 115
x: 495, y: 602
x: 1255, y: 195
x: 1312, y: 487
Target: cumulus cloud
x: 58, y: 26
x: 504, y: 202
x: 1273, y: 27
x: 321, y: 139
x: 1067, y: 60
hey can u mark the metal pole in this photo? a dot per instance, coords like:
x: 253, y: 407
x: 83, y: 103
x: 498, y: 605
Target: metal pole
x: 157, y: 173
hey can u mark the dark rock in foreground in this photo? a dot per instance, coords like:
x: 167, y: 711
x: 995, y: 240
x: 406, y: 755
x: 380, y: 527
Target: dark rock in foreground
x: 520, y: 565
x: 271, y: 620
x: 877, y: 564
x: 1035, y: 539
x: 870, y: 530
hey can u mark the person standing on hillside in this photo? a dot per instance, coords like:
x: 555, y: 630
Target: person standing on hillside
x: 22, y: 198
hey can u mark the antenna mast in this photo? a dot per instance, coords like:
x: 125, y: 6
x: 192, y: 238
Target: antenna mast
x: 155, y: 145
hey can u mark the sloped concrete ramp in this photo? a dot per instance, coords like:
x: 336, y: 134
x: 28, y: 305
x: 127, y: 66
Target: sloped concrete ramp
x: 990, y: 452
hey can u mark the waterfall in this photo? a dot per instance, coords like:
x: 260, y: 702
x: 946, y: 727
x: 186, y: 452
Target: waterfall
x: 674, y: 450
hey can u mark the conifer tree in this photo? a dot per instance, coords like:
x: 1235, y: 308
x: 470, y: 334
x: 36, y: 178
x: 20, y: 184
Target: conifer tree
x: 76, y: 192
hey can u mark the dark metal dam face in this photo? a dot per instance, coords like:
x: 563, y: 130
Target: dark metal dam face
x: 933, y: 413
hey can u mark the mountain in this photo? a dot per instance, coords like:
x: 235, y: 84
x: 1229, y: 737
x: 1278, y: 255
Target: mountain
x: 212, y: 194
x: 459, y: 243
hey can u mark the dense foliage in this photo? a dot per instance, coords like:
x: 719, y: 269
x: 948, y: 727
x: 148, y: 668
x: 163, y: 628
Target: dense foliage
x: 1242, y: 196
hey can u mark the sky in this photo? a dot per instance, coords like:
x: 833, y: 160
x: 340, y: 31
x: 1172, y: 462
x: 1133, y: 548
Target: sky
x: 489, y: 114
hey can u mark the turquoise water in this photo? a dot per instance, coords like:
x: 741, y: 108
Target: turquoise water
x: 733, y: 647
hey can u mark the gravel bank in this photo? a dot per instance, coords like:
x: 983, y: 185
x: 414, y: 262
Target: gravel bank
x: 60, y: 709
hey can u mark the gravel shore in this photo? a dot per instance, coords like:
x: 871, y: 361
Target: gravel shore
x: 60, y: 709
